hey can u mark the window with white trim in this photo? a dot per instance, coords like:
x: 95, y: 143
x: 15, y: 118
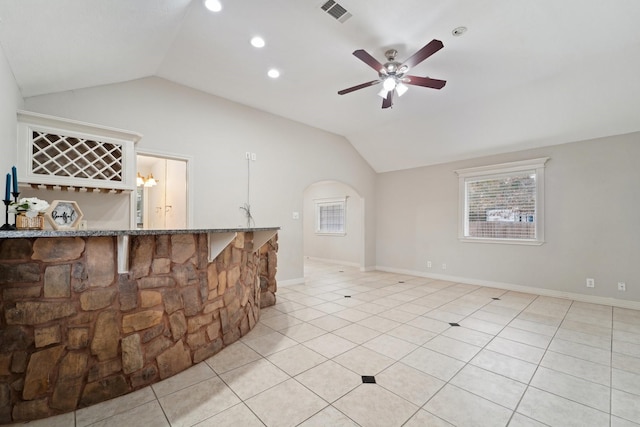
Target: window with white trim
x: 331, y: 216
x: 503, y: 203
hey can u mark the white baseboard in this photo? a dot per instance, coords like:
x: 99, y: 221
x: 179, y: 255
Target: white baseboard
x: 614, y: 302
x: 334, y: 261
x: 291, y: 282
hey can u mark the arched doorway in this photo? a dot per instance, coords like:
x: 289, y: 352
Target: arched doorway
x: 333, y: 223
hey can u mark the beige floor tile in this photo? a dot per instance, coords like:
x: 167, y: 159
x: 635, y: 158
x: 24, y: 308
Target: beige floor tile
x: 379, y: 324
x: 621, y: 422
x: 626, y: 336
x: 307, y: 313
x: 625, y: 405
x: 303, y: 332
x: 454, y: 348
x: 625, y: 363
x: 363, y: 361
x: 296, y: 359
x: 429, y: 324
x: 502, y: 364
x: 149, y: 414
x: 572, y: 388
x: 184, y: 379
x: 198, y: 402
x: 373, y: 406
x: 626, y: 381
x: 329, y: 307
x: 464, y: 409
x: 329, y: 417
x: 412, y: 334
x: 390, y: 346
x: 281, y: 322
x: 238, y: 415
x: 231, y: 357
x: 409, y: 383
x: 519, y: 420
x: 535, y: 327
x: 372, y: 308
x: 412, y: 308
x: 253, y: 378
x: 590, y: 371
x: 112, y: 407
x: 489, y: 316
x: 270, y: 343
x: 496, y: 388
x: 445, y: 316
x: 623, y: 347
x: 600, y: 341
x: 515, y: 349
x: 423, y: 419
x: 329, y: 323
x: 433, y: 363
x: 329, y: 345
x: 352, y: 314
x: 481, y: 325
x: 581, y: 351
x: 586, y: 328
x: 299, y: 405
x: 356, y: 333
x: 330, y: 380
x: 469, y: 336
x: 287, y: 306
x: 398, y: 315
x: 525, y: 337
x: 554, y: 410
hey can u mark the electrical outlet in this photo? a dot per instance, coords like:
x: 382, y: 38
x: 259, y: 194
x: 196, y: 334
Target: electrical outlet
x: 591, y: 283
x: 622, y: 287
x: 253, y: 156
x: 444, y: 266
x: 247, y: 155
x: 428, y: 264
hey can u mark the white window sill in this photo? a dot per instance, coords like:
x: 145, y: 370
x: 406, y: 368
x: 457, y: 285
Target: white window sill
x: 502, y: 241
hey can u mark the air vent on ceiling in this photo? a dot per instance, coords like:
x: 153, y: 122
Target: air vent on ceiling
x: 336, y: 10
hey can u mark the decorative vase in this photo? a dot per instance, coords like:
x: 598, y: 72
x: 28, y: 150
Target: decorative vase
x: 23, y: 222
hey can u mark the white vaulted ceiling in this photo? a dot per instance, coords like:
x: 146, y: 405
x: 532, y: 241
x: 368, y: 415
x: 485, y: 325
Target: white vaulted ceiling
x: 525, y: 74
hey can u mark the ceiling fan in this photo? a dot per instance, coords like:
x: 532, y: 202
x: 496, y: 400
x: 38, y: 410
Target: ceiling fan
x: 393, y: 75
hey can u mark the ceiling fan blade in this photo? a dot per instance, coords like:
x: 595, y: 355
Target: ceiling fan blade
x: 360, y: 86
x: 432, y: 47
x: 424, y: 81
x: 372, y: 62
x: 388, y: 101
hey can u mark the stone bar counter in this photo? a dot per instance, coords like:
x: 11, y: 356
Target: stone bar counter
x: 86, y: 316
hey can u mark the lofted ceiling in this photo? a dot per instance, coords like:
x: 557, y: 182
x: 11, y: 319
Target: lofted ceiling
x: 525, y: 74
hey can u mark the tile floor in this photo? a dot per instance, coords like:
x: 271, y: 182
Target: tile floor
x: 515, y: 359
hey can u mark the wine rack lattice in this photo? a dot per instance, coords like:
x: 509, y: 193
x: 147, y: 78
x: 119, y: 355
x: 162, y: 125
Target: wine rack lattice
x: 65, y: 156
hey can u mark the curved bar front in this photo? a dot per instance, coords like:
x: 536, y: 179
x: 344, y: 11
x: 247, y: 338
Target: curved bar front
x: 74, y: 331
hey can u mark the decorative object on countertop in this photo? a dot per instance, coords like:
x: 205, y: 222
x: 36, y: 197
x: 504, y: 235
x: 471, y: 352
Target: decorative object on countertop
x: 64, y: 215
x: 28, y: 211
x: 7, y: 202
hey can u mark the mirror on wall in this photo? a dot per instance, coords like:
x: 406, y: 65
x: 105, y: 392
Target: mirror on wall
x: 161, y: 193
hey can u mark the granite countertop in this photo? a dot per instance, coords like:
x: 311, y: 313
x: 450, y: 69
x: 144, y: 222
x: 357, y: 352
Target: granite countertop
x: 16, y: 234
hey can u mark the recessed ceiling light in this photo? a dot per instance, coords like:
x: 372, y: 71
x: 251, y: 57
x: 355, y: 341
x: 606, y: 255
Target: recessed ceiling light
x: 257, y: 41
x: 273, y: 73
x: 213, y: 5
x: 459, y: 31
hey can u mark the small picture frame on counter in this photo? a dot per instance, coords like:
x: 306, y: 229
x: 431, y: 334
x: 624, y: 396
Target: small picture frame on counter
x: 64, y: 215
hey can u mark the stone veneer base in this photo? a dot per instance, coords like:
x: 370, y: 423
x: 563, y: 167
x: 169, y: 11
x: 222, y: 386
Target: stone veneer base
x: 74, y: 332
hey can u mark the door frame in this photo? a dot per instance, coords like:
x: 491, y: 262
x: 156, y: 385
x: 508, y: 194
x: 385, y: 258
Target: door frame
x: 189, y: 184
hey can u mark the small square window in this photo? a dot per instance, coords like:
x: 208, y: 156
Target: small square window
x: 331, y: 216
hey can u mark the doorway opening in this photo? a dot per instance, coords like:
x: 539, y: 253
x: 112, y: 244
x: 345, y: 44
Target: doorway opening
x: 161, y: 199
x: 333, y: 224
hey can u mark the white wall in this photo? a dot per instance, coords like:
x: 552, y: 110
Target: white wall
x: 345, y: 249
x: 592, y: 222
x: 217, y: 133
x: 10, y: 101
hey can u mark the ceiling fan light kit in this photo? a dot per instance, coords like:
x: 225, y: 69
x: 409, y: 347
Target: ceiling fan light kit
x: 393, y: 75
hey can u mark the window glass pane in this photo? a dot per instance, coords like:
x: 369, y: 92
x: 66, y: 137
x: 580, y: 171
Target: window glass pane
x: 502, y: 206
x: 330, y: 217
